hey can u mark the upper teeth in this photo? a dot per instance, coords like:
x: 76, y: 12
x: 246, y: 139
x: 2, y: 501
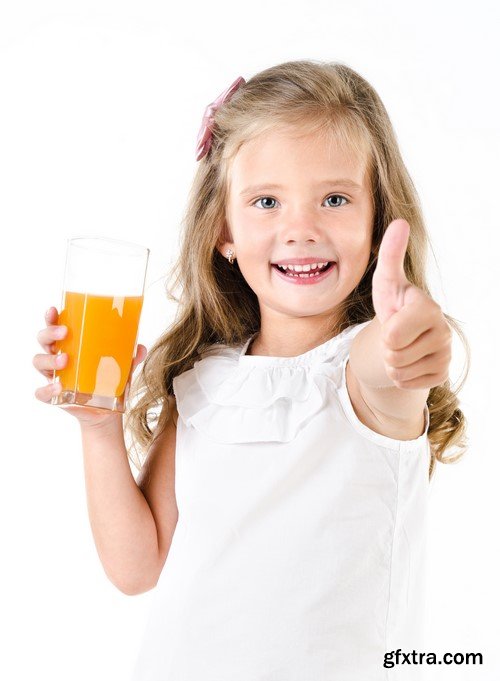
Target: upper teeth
x: 304, y: 268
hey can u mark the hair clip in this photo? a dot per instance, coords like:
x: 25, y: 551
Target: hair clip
x: 205, y: 134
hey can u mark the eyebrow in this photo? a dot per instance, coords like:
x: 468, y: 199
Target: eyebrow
x: 341, y: 182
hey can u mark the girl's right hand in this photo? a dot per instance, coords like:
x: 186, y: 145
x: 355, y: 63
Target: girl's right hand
x: 46, y: 363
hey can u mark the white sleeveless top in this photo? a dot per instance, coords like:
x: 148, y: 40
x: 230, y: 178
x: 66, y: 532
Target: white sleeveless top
x: 299, y: 549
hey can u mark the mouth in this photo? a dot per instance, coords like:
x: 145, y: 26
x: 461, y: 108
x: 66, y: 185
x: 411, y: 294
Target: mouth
x: 312, y: 276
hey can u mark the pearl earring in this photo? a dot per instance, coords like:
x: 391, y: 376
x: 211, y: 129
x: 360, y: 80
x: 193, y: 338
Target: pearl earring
x: 230, y: 256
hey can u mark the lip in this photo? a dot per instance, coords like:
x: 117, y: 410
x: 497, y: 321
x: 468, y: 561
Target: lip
x: 301, y: 261
x: 304, y: 281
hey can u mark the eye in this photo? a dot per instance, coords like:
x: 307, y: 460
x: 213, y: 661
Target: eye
x: 264, y: 198
x: 338, y: 196
x: 269, y: 198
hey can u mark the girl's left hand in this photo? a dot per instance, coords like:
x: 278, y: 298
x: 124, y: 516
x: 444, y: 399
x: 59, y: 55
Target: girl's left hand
x: 415, y: 335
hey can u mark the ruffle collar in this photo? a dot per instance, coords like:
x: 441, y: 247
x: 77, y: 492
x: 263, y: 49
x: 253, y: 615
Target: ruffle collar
x: 232, y: 397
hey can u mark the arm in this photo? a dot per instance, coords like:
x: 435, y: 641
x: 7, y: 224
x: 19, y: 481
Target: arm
x: 121, y: 520
x: 366, y: 368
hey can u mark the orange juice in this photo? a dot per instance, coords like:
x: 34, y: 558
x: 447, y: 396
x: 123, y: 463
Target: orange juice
x: 100, y: 343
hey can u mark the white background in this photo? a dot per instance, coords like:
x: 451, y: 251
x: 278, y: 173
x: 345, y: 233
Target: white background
x: 100, y: 106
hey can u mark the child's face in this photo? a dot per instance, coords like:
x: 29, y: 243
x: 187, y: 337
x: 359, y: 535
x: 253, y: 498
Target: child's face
x: 305, y: 217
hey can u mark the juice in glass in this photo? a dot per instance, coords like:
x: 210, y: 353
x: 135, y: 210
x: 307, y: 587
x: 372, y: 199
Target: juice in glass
x: 102, y: 327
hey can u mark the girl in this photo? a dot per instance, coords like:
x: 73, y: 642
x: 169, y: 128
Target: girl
x: 301, y: 400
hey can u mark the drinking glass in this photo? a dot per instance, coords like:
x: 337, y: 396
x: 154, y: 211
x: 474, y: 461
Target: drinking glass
x: 101, y: 307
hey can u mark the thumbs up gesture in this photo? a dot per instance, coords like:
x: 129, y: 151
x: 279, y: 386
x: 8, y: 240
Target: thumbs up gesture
x: 416, y: 338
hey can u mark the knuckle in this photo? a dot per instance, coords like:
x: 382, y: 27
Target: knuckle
x: 389, y: 337
x: 394, y: 373
x: 39, y: 361
x: 41, y: 394
x: 445, y: 329
x: 444, y: 354
x: 390, y: 356
x: 393, y: 337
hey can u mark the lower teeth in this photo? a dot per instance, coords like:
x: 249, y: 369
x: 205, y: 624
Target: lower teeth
x: 303, y: 275
x: 315, y: 274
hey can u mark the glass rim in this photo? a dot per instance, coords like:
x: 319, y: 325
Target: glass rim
x: 79, y: 242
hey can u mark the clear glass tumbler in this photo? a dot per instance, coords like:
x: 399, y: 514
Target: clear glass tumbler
x: 101, y: 307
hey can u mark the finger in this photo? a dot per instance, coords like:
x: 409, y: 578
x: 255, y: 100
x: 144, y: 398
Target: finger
x: 422, y: 346
x: 47, y: 392
x: 424, y: 382
x: 51, y: 315
x: 415, y: 317
x: 139, y: 356
x: 429, y: 364
x: 48, y: 336
x: 390, y: 259
x: 46, y: 364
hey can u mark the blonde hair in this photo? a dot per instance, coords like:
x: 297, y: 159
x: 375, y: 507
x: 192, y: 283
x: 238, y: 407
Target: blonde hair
x: 216, y: 305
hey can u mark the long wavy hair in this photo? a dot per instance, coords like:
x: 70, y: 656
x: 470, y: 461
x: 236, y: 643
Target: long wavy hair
x: 214, y: 302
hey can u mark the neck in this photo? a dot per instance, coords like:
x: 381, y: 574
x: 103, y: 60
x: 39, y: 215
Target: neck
x: 285, y: 343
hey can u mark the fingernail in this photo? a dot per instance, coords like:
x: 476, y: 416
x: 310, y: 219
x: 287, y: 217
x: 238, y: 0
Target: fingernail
x: 47, y: 314
x: 60, y: 332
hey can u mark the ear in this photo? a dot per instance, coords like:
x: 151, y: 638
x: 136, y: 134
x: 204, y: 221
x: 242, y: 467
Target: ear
x: 225, y: 241
x: 223, y: 248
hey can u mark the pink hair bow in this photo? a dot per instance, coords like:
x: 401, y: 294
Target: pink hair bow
x: 205, y: 135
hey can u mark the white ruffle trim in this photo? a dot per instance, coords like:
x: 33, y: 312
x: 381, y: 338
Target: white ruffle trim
x: 231, y: 397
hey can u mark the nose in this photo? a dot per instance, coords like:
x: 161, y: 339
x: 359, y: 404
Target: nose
x: 301, y: 224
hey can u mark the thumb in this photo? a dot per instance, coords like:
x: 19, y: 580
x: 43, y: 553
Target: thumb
x: 391, y: 255
x: 389, y: 281
x: 140, y: 355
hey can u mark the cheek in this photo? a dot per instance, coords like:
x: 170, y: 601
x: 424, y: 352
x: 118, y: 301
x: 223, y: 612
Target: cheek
x: 354, y: 256
x: 253, y: 261
x: 255, y: 245
x: 355, y: 247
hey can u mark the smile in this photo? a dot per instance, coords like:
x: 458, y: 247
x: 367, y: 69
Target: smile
x: 302, y: 278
